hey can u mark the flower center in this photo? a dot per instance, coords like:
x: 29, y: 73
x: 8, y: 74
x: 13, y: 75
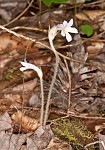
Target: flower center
x: 65, y: 30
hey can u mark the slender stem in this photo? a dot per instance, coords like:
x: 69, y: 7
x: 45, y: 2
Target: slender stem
x: 69, y: 77
x: 75, y: 11
x: 42, y: 102
x: 40, y: 9
x: 53, y: 81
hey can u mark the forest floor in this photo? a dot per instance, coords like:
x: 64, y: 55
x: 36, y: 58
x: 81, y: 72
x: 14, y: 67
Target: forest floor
x: 76, y: 112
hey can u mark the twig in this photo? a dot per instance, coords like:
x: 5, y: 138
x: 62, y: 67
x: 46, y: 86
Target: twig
x: 37, y: 42
x: 93, y: 143
x: 63, y: 56
x: 17, y: 35
x: 78, y: 115
x: 103, y: 144
x: 29, y: 28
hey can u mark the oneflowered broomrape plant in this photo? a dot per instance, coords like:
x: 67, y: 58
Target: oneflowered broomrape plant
x: 26, y: 66
x: 66, y: 29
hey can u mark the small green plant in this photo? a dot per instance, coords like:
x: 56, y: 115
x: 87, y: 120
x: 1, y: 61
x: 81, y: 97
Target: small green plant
x: 87, y: 29
x: 11, y: 74
x: 49, y: 2
x: 74, y: 131
x: 101, y: 111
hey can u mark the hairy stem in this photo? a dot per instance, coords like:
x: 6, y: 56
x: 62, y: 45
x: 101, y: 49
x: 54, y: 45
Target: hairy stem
x: 42, y: 102
x: 53, y: 81
x: 40, y: 8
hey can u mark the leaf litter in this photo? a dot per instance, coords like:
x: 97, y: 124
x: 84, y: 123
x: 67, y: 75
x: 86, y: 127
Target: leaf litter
x: 82, y: 88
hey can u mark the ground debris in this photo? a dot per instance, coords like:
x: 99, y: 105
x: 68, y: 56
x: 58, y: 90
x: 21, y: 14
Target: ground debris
x: 10, y: 140
x: 79, y: 89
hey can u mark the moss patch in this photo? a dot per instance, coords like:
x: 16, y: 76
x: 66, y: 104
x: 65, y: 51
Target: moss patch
x: 74, y: 131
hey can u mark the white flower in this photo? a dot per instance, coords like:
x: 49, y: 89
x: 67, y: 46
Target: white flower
x: 31, y: 66
x: 66, y: 28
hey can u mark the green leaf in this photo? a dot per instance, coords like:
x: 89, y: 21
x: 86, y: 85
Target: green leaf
x: 87, y: 29
x: 49, y: 2
x: 60, y: 1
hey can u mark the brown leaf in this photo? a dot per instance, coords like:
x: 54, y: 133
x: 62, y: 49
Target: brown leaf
x: 27, y: 123
x: 13, y: 98
x: 79, y: 55
x: 81, y: 106
x: 87, y: 76
x: 41, y: 60
x: 6, y: 43
x: 10, y: 42
x: 95, y: 48
x: 4, y: 59
x: 87, y: 69
x: 4, y: 105
x: 34, y: 101
x: 5, y: 122
x: 42, y: 137
x: 100, y: 77
x: 9, y: 141
x: 56, y: 144
x: 102, y: 140
x: 27, y: 86
x: 30, y: 144
x: 89, y: 14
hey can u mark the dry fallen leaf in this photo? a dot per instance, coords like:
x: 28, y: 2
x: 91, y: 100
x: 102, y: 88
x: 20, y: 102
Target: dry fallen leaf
x: 95, y: 48
x: 13, y: 98
x: 28, y: 124
x: 86, y: 15
x: 79, y: 55
x: 42, y: 137
x: 4, y: 59
x: 4, y: 105
x: 102, y: 140
x: 5, y: 122
x: 6, y: 44
x: 56, y: 144
x: 10, y: 42
x: 27, y: 86
x: 30, y: 144
x: 9, y: 141
x: 34, y: 101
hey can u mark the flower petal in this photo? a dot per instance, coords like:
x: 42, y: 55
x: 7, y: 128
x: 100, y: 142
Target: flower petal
x: 70, y: 22
x: 60, y: 26
x: 31, y: 66
x: 23, y: 63
x: 63, y: 33
x: 65, y: 23
x: 23, y: 69
x: 68, y: 37
x: 72, y: 30
x: 66, y: 29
